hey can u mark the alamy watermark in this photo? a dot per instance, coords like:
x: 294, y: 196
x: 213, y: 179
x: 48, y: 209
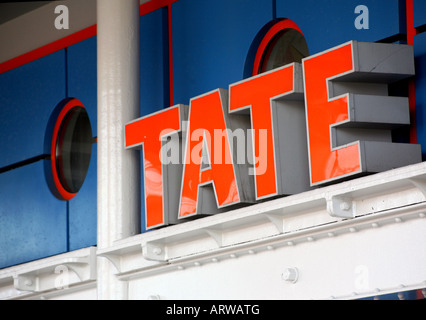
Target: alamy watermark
x: 362, y: 21
x: 62, y: 20
x: 207, y: 149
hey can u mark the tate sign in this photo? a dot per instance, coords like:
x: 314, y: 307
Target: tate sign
x: 278, y: 133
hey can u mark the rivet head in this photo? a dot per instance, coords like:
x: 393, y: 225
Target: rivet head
x: 157, y: 251
x: 345, y: 206
x: 290, y: 275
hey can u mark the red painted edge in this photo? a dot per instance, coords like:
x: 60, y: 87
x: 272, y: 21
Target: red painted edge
x: 153, y: 5
x: 74, y: 38
x: 281, y: 25
x: 411, y: 32
x: 68, y: 106
x: 48, y: 49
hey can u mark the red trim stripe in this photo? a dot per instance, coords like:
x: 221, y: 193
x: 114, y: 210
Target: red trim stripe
x: 74, y: 38
x: 411, y: 32
x: 72, y: 103
x: 48, y: 49
x: 281, y: 25
x: 153, y: 5
x: 91, y: 31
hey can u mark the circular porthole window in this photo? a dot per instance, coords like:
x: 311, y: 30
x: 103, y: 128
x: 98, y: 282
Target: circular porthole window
x: 279, y: 43
x: 70, y: 148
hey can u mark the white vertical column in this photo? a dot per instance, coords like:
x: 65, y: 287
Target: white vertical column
x: 118, y: 184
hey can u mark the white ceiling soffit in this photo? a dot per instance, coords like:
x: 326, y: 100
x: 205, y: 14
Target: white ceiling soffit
x: 31, y: 25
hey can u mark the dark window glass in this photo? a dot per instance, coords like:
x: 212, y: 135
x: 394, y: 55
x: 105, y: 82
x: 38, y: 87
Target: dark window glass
x: 74, y: 149
x: 287, y: 46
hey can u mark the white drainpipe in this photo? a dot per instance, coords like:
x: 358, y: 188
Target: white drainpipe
x: 118, y: 182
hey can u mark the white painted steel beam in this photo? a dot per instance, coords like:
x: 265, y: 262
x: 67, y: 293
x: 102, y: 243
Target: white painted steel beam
x: 118, y: 183
x: 51, y: 277
x: 375, y: 247
x: 254, y: 252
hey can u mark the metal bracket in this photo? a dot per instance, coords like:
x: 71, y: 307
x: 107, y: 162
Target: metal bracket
x: 41, y: 278
x: 277, y: 221
x: 216, y: 235
x: 419, y: 184
x: 153, y: 251
x: 114, y: 259
x: 82, y: 267
x: 340, y: 207
x: 25, y: 282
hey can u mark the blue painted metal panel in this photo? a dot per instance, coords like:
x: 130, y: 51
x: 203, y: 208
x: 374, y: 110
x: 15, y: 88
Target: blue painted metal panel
x: 82, y: 210
x: 154, y: 87
x: 82, y: 84
x: 420, y: 61
x: 32, y: 221
x: 28, y: 95
x: 327, y: 23
x: 211, y: 40
x: 82, y: 76
x: 419, y: 12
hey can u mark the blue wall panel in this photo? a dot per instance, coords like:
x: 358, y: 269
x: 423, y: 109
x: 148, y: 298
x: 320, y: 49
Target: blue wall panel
x: 82, y: 76
x: 211, y: 40
x: 154, y: 87
x: 82, y: 84
x: 327, y: 23
x: 32, y: 221
x: 419, y: 12
x: 82, y: 210
x: 28, y: 95
x: 420, y: 56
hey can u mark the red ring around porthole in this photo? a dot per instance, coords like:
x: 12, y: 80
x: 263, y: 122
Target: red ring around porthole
x: 70, y: 104
x: 274, y: 30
